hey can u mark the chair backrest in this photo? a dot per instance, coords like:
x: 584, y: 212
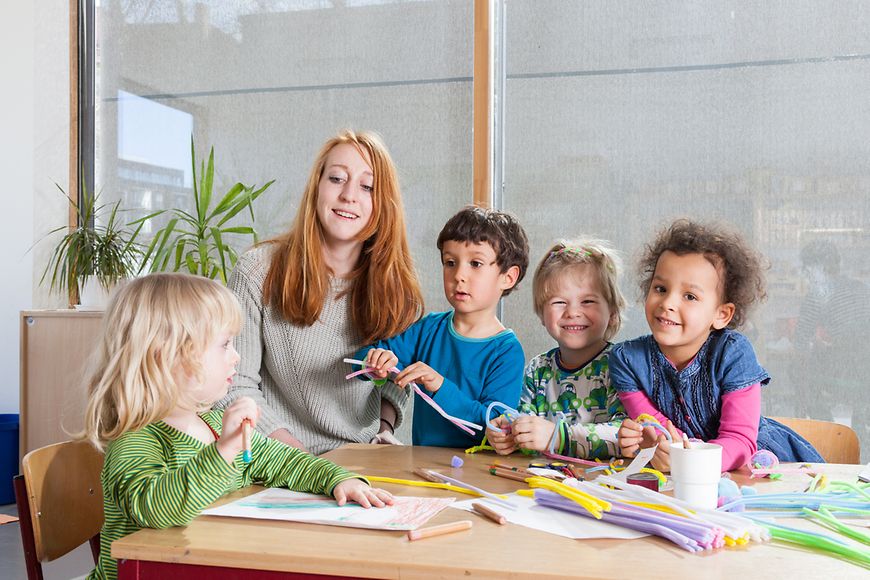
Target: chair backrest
x: 836, y: 443
x: 65, y: 496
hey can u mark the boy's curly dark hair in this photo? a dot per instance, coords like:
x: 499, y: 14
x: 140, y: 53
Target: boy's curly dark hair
x: 501, y: 230
x: 741, y: 267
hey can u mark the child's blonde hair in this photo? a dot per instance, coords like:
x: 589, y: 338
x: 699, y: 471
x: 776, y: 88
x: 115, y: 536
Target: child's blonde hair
x: 154, y: 327
x: 568, y: 255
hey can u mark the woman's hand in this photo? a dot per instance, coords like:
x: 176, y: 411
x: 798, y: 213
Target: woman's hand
x: 502, y: 442
x: 532, y: 432
x: 382, y: 361
x: 422, y: 374
x: 359, y: 491
x: 231, y: 441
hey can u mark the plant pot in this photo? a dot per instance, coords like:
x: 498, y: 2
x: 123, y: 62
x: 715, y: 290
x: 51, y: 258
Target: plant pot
x: 92, y: 295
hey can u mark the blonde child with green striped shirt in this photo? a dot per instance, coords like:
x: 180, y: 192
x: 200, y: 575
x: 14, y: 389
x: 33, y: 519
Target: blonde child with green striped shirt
x: 165, y: 357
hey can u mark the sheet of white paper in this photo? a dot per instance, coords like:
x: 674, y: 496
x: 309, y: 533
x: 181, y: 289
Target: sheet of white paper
x: 561, y: 523
x: 407, y: 513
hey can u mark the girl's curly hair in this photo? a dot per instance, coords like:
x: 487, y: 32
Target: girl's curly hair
x: 741, y: 267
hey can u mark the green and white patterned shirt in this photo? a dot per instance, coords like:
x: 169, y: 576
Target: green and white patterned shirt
x: 582, y: 403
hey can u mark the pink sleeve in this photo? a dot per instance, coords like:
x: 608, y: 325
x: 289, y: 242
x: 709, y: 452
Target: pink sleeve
x: 636, y: 403
x: 738, y: 426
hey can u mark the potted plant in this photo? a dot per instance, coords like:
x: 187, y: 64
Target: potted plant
x: 95, y: 255
x: 196, y: 242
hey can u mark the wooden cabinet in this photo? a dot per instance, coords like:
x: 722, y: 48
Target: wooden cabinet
x: 55, y: 346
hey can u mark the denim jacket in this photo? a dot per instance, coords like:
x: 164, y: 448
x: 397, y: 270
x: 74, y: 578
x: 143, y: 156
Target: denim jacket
x: 692, y: 398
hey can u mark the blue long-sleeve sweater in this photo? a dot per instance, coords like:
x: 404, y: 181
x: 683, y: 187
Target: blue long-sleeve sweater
x: 476, y: 372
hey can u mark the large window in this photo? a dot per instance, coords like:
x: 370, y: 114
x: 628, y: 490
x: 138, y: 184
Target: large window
x: 266, y: 83
x: 621, y: 117
x: 617, y: 118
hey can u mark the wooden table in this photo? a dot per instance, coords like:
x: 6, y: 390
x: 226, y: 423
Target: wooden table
x: 214, y: 547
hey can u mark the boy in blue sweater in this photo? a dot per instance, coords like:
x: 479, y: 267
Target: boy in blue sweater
x: 464, y: 358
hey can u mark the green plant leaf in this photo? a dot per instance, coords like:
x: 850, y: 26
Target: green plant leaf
x: 228, y: 199
x: 221, y: 252
x: 239, y: 230
x: 191, y: 264
x: 206, y: 188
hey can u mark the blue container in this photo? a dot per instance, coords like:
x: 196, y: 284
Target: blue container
x: 8, y: 456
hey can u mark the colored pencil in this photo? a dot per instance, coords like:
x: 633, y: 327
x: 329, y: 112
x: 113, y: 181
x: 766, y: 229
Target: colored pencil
x: 426, y: 474
x: 439, y: 530
x: 508, y: 474
x: 246, y: 441
x: 489, y: 513
x: 512, y: 468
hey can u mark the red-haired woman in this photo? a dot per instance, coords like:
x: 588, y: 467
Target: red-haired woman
x: 342, y: 277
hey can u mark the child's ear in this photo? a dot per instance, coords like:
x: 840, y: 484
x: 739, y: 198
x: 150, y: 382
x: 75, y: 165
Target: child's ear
x: 724, y: 314
x: 509, y: 278
x: 614, y: 318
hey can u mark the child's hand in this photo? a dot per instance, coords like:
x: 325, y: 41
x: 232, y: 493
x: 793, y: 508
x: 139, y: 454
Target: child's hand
x: 382, y: 360
x: 502, y: 442
x: 630, y: 436
x: 662, y: 458
x: 532, y: 432
x: 230, y: 443
x: 422, y: 374
x: 359, y: 491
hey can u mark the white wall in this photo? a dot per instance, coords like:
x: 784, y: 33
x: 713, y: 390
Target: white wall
x: 33, y: 153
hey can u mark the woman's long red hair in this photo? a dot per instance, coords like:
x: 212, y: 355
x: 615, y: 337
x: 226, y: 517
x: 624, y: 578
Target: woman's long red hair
x: 385, y: 294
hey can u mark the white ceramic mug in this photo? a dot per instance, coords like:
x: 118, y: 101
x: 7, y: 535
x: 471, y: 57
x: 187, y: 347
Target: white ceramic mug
x: 696, y: 472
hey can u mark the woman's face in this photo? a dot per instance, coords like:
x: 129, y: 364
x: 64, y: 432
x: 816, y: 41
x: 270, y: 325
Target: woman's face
x: 344, y: 195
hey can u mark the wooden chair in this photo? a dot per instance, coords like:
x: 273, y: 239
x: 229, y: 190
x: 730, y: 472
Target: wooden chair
x: 60, y: 502
x: 836, y: 443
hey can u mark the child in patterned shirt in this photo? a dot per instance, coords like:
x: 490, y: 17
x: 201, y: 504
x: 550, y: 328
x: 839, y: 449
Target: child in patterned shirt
x: 568, y: 405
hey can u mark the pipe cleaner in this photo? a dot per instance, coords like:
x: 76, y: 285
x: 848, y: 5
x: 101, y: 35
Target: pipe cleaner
x: 826, y: 517
x: 812, y: 540
x: 491, y: 496
x: 509, y: 413
x: 415, y: 483
x: 461, y: 423
x: 646, y: 420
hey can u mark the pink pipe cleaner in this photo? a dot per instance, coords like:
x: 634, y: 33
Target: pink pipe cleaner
x: 461, y: 423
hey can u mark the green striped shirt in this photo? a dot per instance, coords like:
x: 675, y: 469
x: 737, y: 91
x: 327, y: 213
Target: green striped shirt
x: 159, y: 477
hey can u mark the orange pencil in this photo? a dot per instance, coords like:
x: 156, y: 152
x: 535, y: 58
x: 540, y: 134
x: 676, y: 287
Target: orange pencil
x: 439, y: 530
x: 489, y: 513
